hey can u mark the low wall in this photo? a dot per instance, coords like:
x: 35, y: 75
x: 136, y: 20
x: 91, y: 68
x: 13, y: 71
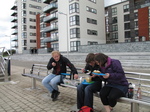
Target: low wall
x: 118, y: 47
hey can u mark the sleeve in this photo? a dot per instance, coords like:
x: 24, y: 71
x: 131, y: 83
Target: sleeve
x: 49, y: 65
x: 118, y: 71
x: 71, y: 66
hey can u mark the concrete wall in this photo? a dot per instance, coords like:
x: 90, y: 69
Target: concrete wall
x: 119, y: 47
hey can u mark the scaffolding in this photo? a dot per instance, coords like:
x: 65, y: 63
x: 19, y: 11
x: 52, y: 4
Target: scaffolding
x: 5, y: 65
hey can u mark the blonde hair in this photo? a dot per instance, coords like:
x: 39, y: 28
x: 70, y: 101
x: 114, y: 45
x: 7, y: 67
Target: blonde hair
x: 55, y: 52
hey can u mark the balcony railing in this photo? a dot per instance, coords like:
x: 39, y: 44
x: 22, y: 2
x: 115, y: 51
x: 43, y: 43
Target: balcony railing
x: 14, y: 26
x: 15, y: 32
x: 49, y: 29
x: 49, y: 18
x: 14, y: 38
x: 49, y: 39
x: 50, y: 7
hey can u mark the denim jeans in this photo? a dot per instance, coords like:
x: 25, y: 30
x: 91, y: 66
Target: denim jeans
x: 51, y: 82
x: 85, y: 94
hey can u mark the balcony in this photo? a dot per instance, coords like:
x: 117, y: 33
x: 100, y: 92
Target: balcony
x: 14, y: 19
x: 49, y: 29
x: 46, y: 1
x: 14, y: 13
x: 50, y: 7
x: 49, y: 39
x: 15, y: 38
x: 49, y: 18
x: 14, y: 7
x: 14, y: 26
x: 15, y: 32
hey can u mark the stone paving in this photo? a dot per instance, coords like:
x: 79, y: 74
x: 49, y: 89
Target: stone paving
x: 18, y: 96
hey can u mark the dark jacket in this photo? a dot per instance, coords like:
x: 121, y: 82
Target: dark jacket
x: 117, y: 75
x: 61, y: 66
x: 91, y: 69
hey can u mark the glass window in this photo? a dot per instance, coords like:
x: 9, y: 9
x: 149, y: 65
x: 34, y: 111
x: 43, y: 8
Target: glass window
x: 114, y: 20
x: 126, y: 8
x: 91, y: 21
x: 74, y: 20
x: 127, y: 34
x: 127, y: 26
x: 127, y: 17
x: 74, y: 45
x: 75, y: 33
x: 114, y: 11
x: 74, y: 8
x: 91, y: 32
x: 115, y: 27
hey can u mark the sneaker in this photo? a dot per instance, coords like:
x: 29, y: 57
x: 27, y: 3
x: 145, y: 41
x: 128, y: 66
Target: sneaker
x: 56, y: 93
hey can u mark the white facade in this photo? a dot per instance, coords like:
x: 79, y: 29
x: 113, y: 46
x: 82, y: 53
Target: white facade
x: 64, y: 23
x: 27, y: 10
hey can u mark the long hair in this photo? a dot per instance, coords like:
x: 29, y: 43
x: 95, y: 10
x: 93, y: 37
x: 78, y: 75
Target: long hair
x: 101, y: 58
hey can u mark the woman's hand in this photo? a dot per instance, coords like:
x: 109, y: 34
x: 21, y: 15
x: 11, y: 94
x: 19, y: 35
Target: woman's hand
x: 106, y: 75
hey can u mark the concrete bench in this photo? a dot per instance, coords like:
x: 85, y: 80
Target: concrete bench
x: 39, y: 71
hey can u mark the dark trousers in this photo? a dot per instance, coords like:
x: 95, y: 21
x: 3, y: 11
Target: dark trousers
x: 85, y: 94
x: 109, y: 95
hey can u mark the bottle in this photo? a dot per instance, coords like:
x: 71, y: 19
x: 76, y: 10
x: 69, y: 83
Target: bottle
x: 139, y: 92
x: 130, y: 91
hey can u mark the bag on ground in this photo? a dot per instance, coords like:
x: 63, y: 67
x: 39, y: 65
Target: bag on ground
x: 86, y: 109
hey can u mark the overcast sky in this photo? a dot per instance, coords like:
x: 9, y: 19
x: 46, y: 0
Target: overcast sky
x: 5, y: 20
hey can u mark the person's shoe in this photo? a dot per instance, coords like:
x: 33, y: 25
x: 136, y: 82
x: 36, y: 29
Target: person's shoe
x: 53, y: 92
x: 56, y: 93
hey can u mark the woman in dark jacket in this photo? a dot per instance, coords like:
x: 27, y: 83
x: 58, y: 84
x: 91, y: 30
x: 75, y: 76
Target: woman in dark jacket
x: 116, y: 83
x: 58, y: 63
x: 85, y: 92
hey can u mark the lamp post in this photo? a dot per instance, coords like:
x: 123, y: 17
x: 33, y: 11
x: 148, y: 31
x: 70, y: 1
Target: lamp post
x: 67, y: 32
x: 9, y: 43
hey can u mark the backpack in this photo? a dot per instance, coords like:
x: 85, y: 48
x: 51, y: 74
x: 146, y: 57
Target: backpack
x: 86, y: 109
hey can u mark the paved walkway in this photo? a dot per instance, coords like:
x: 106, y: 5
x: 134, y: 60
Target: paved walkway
x: 17, y: 96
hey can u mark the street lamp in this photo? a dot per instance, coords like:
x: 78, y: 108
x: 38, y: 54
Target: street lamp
x: 10, y: 43
x: 67, y: 32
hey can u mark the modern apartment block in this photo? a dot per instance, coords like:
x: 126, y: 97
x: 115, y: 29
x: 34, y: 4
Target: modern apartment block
x: 66, y: 24
x: 24, y: 24
x: 128, y: 21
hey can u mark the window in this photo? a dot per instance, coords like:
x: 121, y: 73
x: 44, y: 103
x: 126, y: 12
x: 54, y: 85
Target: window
x: 92, y: 43
x: 54, y: 36
x: 91, y: 21
x: 36, y: 1
x: 94, y: 1
x: 89, y: 9
x: 135, y: 15
x: 136, y: 24
x: 127, y: 34
x: 126, y: 8
x: 24, y: 6
x: 34, y: 6
x: 75, y: 33
x: 115, y: 35
x: 114, y: 20
x: 55, y: 46
x: 115, y: 27
x: 24, y: 42
x: 127, y: 17
x: 127, y: 26
x: 32, y: 20
x: 74, y: 20
x: 24, y: 35
x: 74, y: 45
x: 136, y: 33
x: 23, y: 13
x: 114, y: 11
x: 91, y: 32
x: 74, y: 8
x: 32, y: 41
x: 32, y: 34
x: 32, y: 13
x: 24, y: 20
x: 32, y: 27
x: 24, y: 28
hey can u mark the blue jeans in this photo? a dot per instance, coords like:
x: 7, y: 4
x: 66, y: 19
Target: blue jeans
x: 51, y: 82
x: 85, y: 94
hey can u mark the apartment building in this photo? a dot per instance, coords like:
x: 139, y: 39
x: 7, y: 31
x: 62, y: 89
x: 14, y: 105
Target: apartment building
x: 24, y: 24
x: 69, y: 23
x: 128, y: 21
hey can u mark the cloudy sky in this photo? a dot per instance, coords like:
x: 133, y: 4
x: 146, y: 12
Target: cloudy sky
x: 5, y: 20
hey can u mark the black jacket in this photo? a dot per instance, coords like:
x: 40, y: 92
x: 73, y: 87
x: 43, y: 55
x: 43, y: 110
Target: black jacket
x: 91, y: 69
x: 61, y: 66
